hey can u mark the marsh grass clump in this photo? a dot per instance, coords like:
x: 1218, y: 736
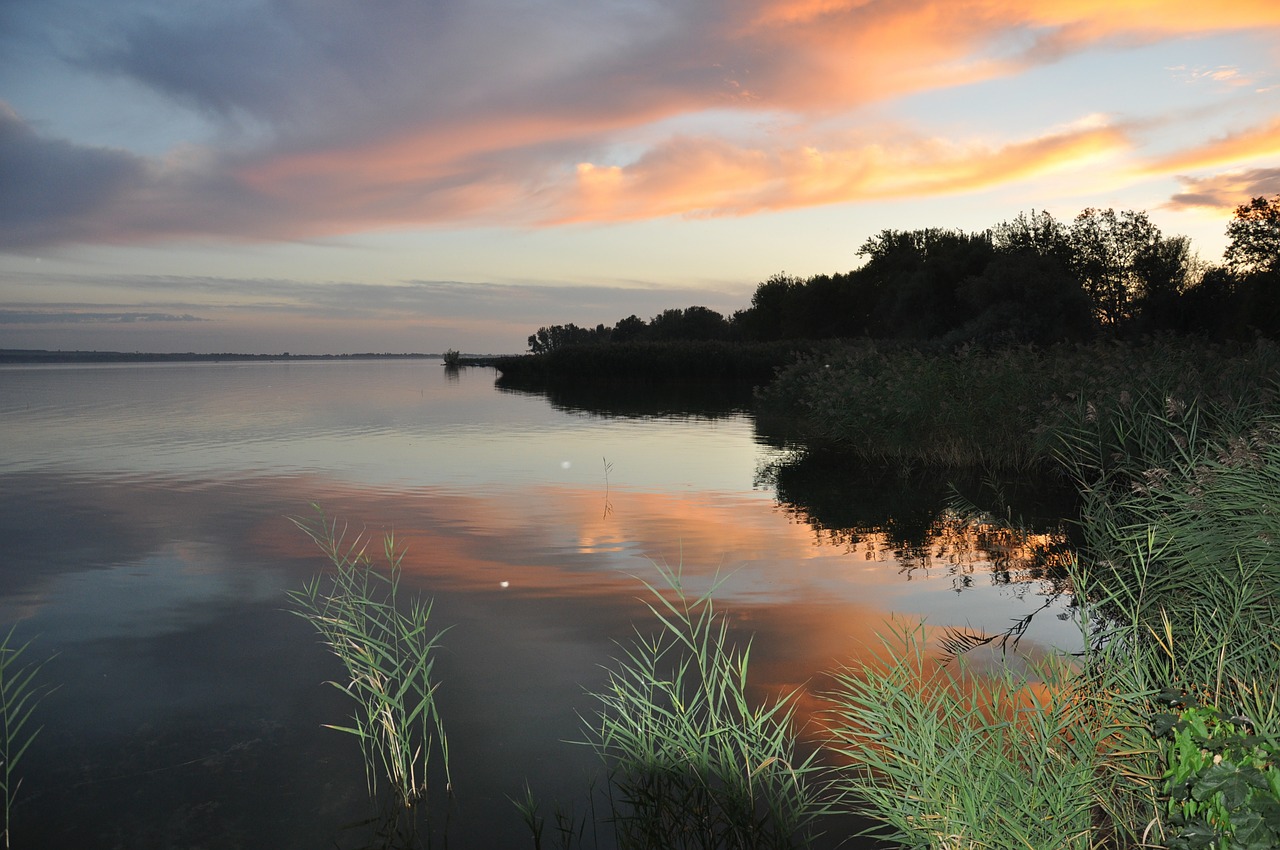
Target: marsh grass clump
x: 945, y: 758
x: 692, y: 762
x: 387, y: 649
x: 1180, y: 564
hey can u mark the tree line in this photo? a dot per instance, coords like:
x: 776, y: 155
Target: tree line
x: 1031, y: 280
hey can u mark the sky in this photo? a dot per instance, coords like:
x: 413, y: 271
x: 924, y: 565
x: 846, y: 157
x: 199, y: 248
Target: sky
x: 339, y: 176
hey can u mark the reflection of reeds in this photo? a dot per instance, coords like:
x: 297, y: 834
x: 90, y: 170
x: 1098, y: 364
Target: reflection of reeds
x: 692, y: 762
x: 388, y: 654
x: 19, y: 696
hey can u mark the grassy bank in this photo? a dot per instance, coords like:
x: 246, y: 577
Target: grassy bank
x: 999, y: 409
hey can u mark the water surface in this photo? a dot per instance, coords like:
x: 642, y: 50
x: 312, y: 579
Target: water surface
x: 145, y: 512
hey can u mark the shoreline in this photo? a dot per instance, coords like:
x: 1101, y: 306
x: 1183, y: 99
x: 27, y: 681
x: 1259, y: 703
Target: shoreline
x: 10, y: 356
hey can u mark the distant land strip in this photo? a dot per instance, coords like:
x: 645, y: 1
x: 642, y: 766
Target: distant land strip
x: 19, y: 355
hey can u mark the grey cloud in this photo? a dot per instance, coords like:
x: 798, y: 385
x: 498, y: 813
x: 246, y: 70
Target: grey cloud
x: 523, y: 304
x: 51, y: 188
x: 50, y: 317
x: 1227, y: 191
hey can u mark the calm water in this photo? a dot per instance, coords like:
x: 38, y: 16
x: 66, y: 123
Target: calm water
x: 144, y: 510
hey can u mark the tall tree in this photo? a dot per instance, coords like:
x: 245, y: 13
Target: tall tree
x: 771, y: 307
x: 1255, y: 237
x: 1038, y: 233
x: 1105, y: 252
x: 918, y: 274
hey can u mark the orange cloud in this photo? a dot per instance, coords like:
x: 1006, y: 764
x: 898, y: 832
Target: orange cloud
x: 852, y: 51
x: 1255, y: 142
x: 711, y: 177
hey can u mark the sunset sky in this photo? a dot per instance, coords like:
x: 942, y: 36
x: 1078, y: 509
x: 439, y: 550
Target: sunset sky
x: 328, y: 176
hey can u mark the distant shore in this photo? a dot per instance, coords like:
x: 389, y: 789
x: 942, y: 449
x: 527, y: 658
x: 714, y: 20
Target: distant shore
x: 18, y: 355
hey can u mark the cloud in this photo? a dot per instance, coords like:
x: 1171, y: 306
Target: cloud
x: 52, y: 189
x: 78, y: 317
x: 1225, y: 192
x: 332, y: 118
x: 709, y: 177
x: 525, y: 306
x: 1251, y: 143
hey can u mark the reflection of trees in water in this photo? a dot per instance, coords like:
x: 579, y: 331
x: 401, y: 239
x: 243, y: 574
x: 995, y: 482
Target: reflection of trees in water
x: 964, y: 546
x: 634, y: 399
x: 930, y: 521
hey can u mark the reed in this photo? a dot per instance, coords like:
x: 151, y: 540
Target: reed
x: 945, y: 759
x: 692, y: 763
x: 997, y: 410
x: 20, y: 694
x: 388, y: 650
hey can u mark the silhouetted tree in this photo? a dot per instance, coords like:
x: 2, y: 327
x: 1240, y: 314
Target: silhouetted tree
x: 1162, y: 272
x: 1024, y: 297
x: 1039, y: 234
x: 772, y: 305
x: 917, y: 275
x: 1105, y: 247
x: 1254, y: 235
x: 558, y: 336
x: 693, y: 323
x: 632, y: 327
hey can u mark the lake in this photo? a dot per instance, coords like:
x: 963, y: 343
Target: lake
x: 145, y: 512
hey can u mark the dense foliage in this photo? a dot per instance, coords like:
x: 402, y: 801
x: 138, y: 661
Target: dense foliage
x: 1033, y: 279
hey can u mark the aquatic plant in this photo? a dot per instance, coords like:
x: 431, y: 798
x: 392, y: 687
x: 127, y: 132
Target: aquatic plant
x: 452, y: 358
x: 20, y: 694
x: 388, y: 652
x: 692, y: 763
x: 944, y: 758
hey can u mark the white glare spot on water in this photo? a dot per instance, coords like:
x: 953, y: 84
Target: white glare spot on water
x: 504, y: 584
x: 564, y: 464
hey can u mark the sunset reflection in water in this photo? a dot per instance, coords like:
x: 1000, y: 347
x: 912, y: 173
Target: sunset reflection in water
x: 146, y: 517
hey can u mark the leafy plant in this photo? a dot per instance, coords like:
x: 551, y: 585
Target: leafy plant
x: 1223, y: 780
x: 388, y: 652
x: 20, y: 694
x: 452, y: 358
x: 692, y: 762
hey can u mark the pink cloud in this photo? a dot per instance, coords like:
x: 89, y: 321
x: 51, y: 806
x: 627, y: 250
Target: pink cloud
x: 567, y: 118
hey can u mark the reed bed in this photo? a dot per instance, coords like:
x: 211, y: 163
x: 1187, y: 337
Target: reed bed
x: 1165, y: 733
x: 996, y: 410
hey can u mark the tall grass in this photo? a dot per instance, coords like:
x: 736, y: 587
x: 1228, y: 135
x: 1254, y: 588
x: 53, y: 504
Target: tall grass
x: 999, y: 410
x: 388, y: 650
x: 1178, y: 583
x: 692, y: 763
x: 946, y: 760
x: 1181, y: 527
x: 20, y: 694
